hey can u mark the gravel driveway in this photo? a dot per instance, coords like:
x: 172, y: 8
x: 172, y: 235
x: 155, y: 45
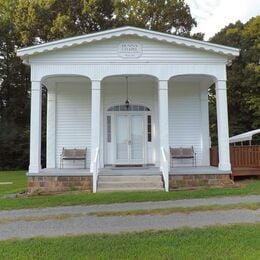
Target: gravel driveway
x: 75, y: 219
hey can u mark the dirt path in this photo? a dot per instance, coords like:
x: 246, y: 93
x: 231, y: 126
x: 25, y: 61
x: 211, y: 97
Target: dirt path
x: 76, y: 219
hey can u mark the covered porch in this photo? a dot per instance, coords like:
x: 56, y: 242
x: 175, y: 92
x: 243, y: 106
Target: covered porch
x: 94, y: 115
x: 128, y: 134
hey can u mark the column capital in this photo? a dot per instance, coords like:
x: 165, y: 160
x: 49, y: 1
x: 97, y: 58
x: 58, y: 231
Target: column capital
x: 163, y: 84
x: 96, y: 84
x: 221, y: 85
x: 36, y: 85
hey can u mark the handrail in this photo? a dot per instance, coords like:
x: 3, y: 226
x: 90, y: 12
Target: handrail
x: 95, y: 170
x: 165, y: 169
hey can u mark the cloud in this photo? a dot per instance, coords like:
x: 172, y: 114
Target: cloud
x: 213, y: 15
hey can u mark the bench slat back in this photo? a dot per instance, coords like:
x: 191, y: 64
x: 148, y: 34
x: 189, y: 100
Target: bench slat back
x: 80, y: 152
x: 187, y: 151
x: 74, y: 153
x: 175, y: 151
x: 182, y: 152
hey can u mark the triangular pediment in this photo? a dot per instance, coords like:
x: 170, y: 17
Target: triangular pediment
x: 128, y: 36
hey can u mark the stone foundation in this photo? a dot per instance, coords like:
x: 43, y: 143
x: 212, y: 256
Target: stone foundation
x: 56, y: 184
x: 186, y: 181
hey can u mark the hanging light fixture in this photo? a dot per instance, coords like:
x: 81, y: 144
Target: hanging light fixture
x: 127, y: 101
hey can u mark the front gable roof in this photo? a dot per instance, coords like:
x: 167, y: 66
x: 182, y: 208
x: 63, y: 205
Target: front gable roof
x: 230, y: 52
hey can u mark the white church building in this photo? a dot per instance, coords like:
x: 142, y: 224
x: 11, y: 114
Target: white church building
x: 126, y: 95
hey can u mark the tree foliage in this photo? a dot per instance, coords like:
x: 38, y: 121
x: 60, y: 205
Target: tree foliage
x: 243, y: 76
x: 45, y: 20
x: 166, y: 16
x: 28, y: 22
x: 14, y: 94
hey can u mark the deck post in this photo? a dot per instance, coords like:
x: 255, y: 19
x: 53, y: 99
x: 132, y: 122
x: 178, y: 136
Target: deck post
x: 222, y: 120
x: 95, y: 119
x: 35, y: 127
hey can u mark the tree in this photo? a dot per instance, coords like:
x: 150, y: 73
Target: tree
x: 14, y: 94
x: 45, y: 20
x: 39, y: 21
x: 243, y: 76
x: 172, y: 16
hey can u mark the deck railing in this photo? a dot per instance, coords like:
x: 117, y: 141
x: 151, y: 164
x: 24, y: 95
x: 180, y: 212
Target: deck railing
x: 240, y: 156
x: 165, y: 169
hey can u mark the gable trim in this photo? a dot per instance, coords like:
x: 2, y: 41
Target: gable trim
x: 127, y: 31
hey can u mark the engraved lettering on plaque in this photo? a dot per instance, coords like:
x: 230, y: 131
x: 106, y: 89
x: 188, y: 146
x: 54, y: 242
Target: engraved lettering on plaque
x: 129, y: 49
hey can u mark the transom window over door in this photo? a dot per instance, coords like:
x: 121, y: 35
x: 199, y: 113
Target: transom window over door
x: 129, y: 108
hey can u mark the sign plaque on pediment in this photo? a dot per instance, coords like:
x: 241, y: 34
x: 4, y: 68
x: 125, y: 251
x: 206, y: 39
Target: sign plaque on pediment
x: 130, y: 49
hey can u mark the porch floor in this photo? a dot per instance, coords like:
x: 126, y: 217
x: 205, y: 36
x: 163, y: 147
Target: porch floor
x: 64, y: 172
x: 150, y: 170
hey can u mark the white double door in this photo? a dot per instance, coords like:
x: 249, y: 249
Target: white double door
x: 130, y: 143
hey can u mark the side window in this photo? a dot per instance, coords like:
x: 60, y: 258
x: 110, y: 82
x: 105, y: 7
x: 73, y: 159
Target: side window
x: 149, y: 128
x: 109, y: 129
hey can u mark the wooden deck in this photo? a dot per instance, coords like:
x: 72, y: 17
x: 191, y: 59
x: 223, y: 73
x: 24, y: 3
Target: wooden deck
x: 245, y: 171
x: 245, y: 160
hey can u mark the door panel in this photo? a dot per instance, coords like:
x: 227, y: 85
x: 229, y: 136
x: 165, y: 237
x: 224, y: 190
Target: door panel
x: 122, y: 136
x: 137, y: 146
x: 130, y: 139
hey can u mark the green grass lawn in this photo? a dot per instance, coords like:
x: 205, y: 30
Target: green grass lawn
x: 19, y: 184
x: 17, y: 177
x: 233, y: 242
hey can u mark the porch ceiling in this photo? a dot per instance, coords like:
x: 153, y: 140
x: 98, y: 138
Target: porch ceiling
x: 65, y: 78
x: 193, y: 78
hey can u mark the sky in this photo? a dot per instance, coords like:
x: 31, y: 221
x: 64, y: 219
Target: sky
x: 213, y: 15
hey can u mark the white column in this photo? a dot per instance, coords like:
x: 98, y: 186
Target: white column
x: 51, y: 128
x: 163, y: 118
x: 222, y: 120
x: 95, y: 119
x: 35, y: 130
x: 205, y: 145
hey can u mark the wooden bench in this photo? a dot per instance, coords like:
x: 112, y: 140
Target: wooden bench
x: 73, y: 154
x: 183, y: 153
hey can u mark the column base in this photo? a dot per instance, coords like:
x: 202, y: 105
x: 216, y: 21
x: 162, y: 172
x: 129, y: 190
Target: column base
x: 91, y: 167
x: 224, y: 166
x: 34, y: 168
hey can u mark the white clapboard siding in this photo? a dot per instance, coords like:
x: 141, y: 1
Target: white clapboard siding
x: 73, y: 120
x: 152, y: 50
x: 185, y: 119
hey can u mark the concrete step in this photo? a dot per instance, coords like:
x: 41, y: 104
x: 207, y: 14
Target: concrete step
x: 129, y: 189
x: 131, y: 178
x: 130, y: 183
x: 138, y: 185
